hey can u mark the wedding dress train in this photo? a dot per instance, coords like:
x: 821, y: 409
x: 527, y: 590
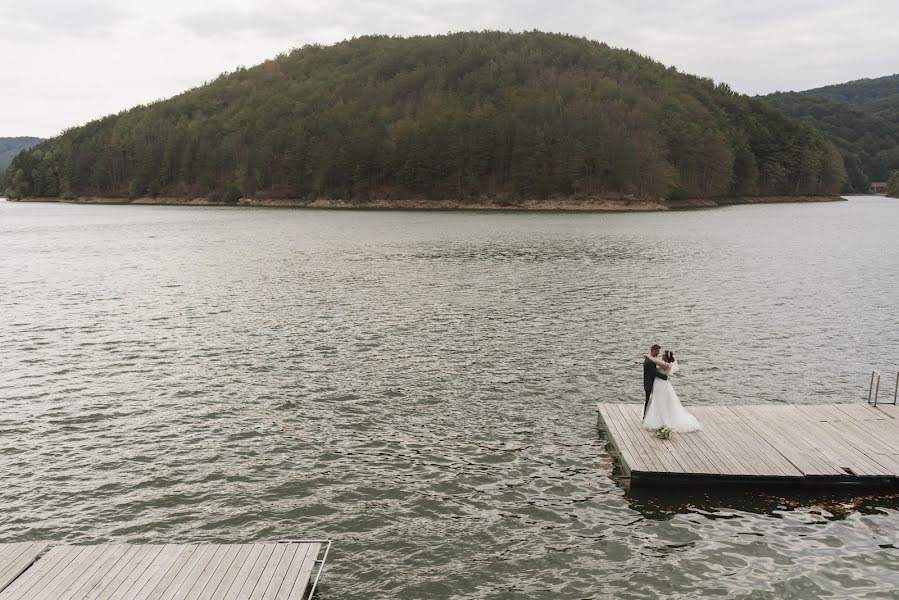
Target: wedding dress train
x: 665, y: 407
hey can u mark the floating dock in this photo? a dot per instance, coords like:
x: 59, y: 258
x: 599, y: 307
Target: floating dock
x: 263, y: 571
x: 803, y: 444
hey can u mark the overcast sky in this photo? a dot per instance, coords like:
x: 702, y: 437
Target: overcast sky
x: 66, y: 62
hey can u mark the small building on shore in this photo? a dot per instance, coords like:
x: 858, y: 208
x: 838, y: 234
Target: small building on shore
x: 878, y: 187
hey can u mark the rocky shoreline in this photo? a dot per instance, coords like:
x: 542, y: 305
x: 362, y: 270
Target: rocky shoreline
x: 558, y: 204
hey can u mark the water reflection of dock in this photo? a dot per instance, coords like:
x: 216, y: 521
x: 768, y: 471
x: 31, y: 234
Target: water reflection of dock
x: 808, y: 445
x: 282, y: 570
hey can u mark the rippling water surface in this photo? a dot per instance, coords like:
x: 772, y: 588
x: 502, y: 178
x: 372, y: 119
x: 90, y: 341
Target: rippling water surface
x: 420, y: 388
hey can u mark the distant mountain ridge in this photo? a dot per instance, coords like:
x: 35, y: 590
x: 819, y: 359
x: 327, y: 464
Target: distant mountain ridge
x: 860, y: 117
x: 859, y: 92
x: 11, y: 146
x: 466, y: 117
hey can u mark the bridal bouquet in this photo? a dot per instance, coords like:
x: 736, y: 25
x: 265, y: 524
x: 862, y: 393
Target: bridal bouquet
x: 663, y: 433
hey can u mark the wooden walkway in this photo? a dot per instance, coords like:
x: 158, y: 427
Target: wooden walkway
x: 264, y: 571
x: 15, y: 558
x: 810, y: 444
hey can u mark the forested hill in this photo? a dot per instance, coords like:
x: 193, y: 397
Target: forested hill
x: 860, y: 117
x: 859, y: 92
x: 469, y: 115
x: 10, y: 146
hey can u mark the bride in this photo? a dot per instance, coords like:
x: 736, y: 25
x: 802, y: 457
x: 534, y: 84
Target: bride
x: 664, y: 406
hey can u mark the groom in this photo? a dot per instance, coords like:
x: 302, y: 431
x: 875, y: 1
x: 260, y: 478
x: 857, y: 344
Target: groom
x: 649, y: 375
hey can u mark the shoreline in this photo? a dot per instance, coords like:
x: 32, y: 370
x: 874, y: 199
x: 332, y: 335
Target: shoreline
x: 549, y: 205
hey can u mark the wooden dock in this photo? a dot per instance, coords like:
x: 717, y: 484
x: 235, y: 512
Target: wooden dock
x: 803, y: 444
x: 262, y: 571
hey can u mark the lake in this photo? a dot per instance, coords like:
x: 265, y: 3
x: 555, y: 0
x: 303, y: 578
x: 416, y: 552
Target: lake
x: 420, y: 388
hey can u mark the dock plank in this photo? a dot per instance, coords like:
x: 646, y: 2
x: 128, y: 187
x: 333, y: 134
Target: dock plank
x: 239, y: 575
x: 731, y: 460
x: 134, y: 570
x: 861, y: 448
x: 57, y: 587
x: 836, y: 443
x: 91, y: 576
x: 164, y: 567
x: 301, y: 583
x: 15, y: 558
x: 620, y: 437
x: 252, y: 575
x: 829, y: 437
x: 43, y: 569
x: 807, y: 460
x: 219, y: 563
x: 113, y: 567
x: 719, y: 426
x: 639, y: 442
x: 773, y: 447
x: 271, y: 567
x: 190, y: 572
x: 731, y: 428
x: 224, y: 578
x: 32, y: 584
x: 891, y: 411
x: 645, y: 439
x: 260, y: 571
x: 270, y: 589
x: 885, y: 432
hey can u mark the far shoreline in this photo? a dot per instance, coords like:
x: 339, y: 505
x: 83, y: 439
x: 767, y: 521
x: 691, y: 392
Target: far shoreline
x: 548, y: 205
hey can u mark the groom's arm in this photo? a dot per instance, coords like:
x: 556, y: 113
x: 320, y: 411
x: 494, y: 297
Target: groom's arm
x: 657, y: 361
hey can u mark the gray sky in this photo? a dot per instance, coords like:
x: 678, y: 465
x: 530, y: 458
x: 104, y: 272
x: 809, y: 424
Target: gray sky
x: 66, y: 62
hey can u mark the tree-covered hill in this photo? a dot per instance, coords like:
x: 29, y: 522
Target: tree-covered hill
x: 893, y: 185
x: 467, y: 115
x: 859, y: 92
x: 860, y: 117
x: 10, y: 146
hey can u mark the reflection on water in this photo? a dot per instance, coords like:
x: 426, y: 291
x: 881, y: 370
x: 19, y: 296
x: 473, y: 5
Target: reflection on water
x: 420, y: 387
x: 661, y: 503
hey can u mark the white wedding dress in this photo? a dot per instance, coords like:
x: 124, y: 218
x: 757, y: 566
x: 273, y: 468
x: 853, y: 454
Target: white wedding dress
x: 665, y: 407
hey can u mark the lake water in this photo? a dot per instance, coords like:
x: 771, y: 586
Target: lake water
x: 420, y: 388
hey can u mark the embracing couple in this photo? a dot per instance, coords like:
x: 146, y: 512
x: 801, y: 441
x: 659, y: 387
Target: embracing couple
x: 662, y: 405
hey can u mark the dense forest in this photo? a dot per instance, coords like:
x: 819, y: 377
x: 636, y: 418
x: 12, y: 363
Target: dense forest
x: 10, y: 146
x: 469, y: 115
x: 860, y: 117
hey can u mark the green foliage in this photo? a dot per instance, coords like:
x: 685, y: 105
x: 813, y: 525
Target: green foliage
x: 893, y: 185
x: 861, y: 91
x: 860, y: 117
x: 467, y: 115
x: 232, y: 195
x: 135, y: 188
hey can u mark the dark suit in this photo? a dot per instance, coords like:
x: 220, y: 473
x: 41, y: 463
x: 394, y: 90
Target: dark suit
x: 649, y: 377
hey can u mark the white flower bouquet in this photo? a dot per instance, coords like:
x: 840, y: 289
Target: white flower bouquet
x: 663, y: 433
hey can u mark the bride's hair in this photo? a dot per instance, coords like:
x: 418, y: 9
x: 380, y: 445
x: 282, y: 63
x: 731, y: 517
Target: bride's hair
x: 671, y: 356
